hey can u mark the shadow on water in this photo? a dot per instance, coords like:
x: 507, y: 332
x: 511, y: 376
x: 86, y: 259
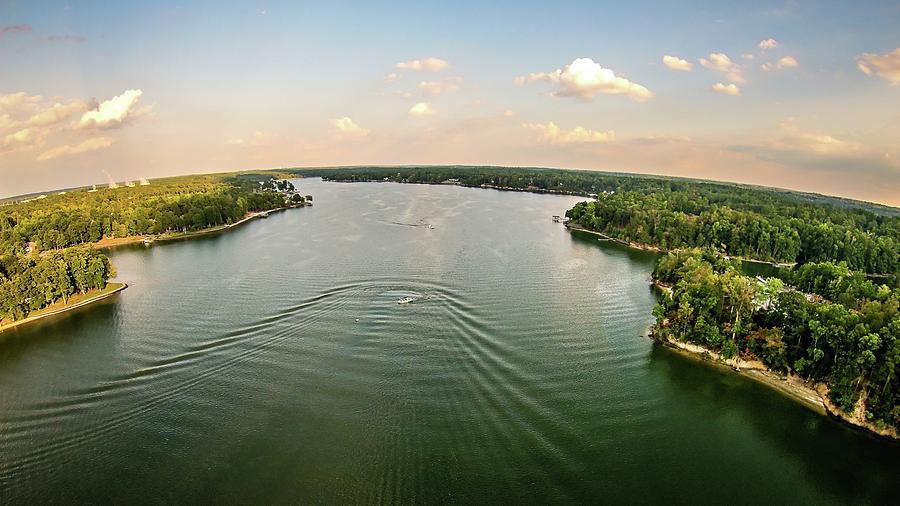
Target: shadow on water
x: 615, y: 248
x: 59, y: 327
x: 729, y: 402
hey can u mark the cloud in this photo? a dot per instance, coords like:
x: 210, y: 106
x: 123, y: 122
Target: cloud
x: 66, y: 150
x: 57, y: 113
x: 25, y: 123
x: 726, y: 89
x: 583, y: 79
x: 67, y: 38
x: 553, y: 134
x: 438, y: 87
x: 655, y: 140
x: 885, y: 66
x: 431, y: 64
x: 15, y: 102
x: 798, y: 140
x: 14, y: 29
x: 782, y: 63
x: 348, y: 127
x: 256, y: 140
x: 391, y: 77
x: 768, y: 44
x: 849, y: 162
x: 23, y: 139
x: 748, y: 56
x: 720, y: 62
x: 421, y: 109
x: 675, y: 63
x: 114, y: 112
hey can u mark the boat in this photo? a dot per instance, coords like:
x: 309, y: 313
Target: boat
x: 405, y: 300
x: 263, y: 214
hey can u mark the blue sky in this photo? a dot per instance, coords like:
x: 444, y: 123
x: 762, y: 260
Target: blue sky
x: 180, y: 87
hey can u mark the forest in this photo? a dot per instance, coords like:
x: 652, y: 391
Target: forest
x: 30, y: 283
x: 819, y: 320
x: 41, y: 258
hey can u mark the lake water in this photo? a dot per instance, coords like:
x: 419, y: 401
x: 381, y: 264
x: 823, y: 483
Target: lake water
x: 272, y: 364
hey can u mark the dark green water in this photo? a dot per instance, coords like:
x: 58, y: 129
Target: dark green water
x: 272, y: 364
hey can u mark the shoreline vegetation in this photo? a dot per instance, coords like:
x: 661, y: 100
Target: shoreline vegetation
x: 51, y: 246
x: 836, y: 355
x: 116, y: 287
x: 58, y: 308
x: 107, y: 243
x: 812, y: 395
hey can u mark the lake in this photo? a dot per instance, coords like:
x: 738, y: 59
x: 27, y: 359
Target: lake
x: 272, y: 364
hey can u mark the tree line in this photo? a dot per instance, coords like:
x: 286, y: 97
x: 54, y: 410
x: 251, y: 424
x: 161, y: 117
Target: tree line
x: 30, y: 283
x: 819, y: 320
x: 672, y: 220
x: 174, y: 205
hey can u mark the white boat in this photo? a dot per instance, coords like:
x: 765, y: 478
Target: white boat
x: 263, y: 214
x: 405, y: 300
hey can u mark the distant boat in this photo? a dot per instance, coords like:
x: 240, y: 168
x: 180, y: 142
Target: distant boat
x: 263, y: 214
x: 405, y: 300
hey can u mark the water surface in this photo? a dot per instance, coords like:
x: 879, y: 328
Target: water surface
x: 273, y: 364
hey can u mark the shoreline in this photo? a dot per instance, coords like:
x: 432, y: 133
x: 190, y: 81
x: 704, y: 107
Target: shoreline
x: 811, y: 395
x: 116, y: 287
x: 107, y: 243
x: 108, y: 291
x: 657, y: 249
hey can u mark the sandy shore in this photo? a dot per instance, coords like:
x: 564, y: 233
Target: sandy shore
x: 110, y: 290
x: 812, y: 395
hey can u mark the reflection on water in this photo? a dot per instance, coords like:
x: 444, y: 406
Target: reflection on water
x: 273, y: 364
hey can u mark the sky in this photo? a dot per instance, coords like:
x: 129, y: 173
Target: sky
x: 796, y: 94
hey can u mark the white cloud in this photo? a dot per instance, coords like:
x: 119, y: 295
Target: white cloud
x: 768, y: 44
x: 66, y: 150
x: 748, y: 56
x: 553, y: 134
x: 391, y: 77
x: 26, y: 123
x: 421, y: 109
x: 438, y: 87
x: 720, y: 62
x: 347, y: 126
x: 257, y: 139
x: 57, y: 113
x: 726, y: 89
x: 16, y: 102
x: 782, y: 63
x: 583, y: 78
x: 675, y: 63
x: 886, y: 66
x: 114, y: 112
x: 799, y: 140
x: 23, y: 139
x: 431, y: 64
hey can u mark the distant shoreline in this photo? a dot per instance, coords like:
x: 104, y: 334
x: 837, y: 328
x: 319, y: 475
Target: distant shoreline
x: 108, y: 291
x: 107, y: 243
